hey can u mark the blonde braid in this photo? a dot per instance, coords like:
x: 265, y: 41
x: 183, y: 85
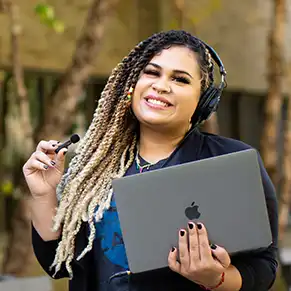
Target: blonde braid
x: 101, y: 151
x: 86, y: 189
x: 100, y: 211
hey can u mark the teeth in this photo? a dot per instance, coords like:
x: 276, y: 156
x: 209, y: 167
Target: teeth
x: 157, y: 102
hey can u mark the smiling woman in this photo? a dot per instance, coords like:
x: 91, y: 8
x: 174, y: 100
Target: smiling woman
x: 168, y: 91
x: 147, y: 118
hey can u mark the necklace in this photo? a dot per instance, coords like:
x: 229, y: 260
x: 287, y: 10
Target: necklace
x: 139, y: 167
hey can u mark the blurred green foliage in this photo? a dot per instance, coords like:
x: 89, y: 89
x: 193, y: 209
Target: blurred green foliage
x: 46, y: 14
x: 6, y: 188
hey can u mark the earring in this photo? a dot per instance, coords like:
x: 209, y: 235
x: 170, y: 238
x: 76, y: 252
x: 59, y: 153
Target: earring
x: 129, y: 93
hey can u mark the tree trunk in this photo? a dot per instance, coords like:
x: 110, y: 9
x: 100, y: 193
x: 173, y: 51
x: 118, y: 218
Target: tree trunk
x: 285, y: 199
x: 19, y: 254
x: 58, y: 118
x: 274, y: 99
x: 19, y: 245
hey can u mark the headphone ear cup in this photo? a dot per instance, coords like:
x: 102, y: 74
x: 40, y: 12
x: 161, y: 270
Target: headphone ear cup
x: 207, y: 104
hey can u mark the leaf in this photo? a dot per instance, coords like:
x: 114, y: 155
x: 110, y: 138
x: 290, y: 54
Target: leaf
x: 45, y: 11
x: 58, y: 26
x: 6, y: 188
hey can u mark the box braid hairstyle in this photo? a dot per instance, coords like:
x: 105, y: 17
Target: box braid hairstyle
x: 109, y: 145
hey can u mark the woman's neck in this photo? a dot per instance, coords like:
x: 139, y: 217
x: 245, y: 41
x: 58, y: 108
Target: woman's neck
x: 155, y: 146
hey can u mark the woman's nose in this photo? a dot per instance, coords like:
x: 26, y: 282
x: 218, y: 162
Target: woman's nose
x: 161, y: 85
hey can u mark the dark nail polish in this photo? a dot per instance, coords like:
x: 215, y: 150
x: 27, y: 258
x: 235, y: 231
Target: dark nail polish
x: 54, y: 145
x: 199, y: 226
x: 191, y: 225
x: 173, y: 249
x: 45, y: 166
x: 182, y: 232
x: 64, y: 153
x: 53, y: 163
x: 213, y: 246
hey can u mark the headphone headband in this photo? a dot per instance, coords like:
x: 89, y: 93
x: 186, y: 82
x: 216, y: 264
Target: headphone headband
x: 209, y: 100
x: 219, y: 63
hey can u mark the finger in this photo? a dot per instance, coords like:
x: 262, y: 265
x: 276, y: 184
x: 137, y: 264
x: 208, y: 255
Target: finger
x: 60, y: 159
x: 47, y: 146
x: 173, y: 264
x: 221, y: 255
x: 193, y: 243
x: 37, y: 165
x: 45, y: 159
x: 183, y: 250
x: 205, y: 251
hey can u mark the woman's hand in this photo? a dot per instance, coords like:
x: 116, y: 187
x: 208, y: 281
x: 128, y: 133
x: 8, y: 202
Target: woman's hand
x: 44, y: 169
x: 199, y: 262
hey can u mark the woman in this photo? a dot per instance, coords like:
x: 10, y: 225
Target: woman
x: 146, y: 118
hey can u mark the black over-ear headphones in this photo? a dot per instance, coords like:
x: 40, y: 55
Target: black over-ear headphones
x: 209, y: 100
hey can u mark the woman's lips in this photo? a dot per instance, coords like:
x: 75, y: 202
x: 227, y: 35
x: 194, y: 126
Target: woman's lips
x: 157, y: 102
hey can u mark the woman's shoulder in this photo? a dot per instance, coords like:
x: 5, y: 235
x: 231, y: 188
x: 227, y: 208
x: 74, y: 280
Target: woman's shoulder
x: 222, y: 145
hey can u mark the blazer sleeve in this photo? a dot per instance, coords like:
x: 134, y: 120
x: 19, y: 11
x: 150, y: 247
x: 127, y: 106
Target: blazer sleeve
x: 45, y: 253
x: 258, y: 269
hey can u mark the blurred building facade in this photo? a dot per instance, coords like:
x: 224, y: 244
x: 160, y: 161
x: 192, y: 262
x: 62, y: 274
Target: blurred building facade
x: 238, y: 30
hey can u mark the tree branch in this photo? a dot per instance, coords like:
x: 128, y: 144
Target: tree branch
x: 59, y: 113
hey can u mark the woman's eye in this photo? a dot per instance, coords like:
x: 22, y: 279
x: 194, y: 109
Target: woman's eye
x: 182, y: 80
x: 151, y: 72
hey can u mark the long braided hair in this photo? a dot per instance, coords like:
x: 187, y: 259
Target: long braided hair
x: 109, y: 145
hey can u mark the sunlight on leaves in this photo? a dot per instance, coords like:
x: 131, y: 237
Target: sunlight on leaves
x: 44, y: 11
x: 46, y: 14
x: 58, y: 26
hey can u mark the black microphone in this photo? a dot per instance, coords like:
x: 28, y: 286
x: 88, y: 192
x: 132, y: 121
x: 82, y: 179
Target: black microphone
x: 73, y: 139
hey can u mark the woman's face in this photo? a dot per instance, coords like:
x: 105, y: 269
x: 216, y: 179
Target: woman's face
x: 168, y: 89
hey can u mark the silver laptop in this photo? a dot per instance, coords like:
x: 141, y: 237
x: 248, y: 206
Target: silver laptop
x: 224, y: 192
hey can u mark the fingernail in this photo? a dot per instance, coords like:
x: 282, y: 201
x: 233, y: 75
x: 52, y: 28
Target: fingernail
x: 199, y: 226
x: 54, y: 145
x: 53, y: 163
x: 191, y: 225
x: 173, y: 249
x: 213, y: 246
x: 64, y: 153
x: 182, y: 232
x: 45, y: 166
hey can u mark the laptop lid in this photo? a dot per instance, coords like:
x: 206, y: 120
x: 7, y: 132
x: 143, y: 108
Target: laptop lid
x: 225, y: 193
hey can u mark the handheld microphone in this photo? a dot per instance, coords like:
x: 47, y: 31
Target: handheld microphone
x: 73, y: 139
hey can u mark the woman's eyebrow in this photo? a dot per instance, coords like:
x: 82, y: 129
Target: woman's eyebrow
x: 175, y: 71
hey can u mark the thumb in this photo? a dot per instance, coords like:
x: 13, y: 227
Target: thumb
x: 60, y: 159
x: 221, y: 255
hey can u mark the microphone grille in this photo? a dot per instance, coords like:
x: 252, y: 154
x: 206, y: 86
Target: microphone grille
x: 74, y: 138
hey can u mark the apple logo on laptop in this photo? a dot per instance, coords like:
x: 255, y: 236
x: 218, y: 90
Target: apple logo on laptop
x: 192, y: 211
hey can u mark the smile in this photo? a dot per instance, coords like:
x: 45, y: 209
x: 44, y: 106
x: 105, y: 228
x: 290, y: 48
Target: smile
x: 157, y: 102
